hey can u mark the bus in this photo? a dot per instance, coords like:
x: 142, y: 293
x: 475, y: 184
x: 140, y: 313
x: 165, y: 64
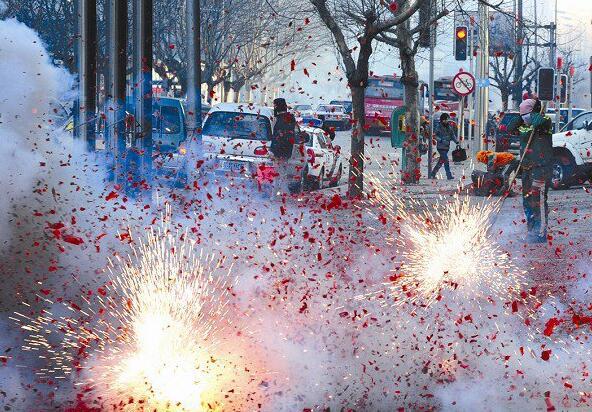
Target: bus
x: 444, y: 97
x: 383, y: 95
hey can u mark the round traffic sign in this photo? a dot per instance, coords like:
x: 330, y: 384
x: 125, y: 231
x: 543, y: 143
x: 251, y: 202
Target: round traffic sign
x: 463, y: 83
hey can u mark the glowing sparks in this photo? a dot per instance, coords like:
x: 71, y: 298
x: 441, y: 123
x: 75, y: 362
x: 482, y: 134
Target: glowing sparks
x: 445, y: 246
x: 450, y: 247
x: 150, y: 333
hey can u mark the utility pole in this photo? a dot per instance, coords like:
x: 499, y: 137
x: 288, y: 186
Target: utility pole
x: 572, y: 72
x: 117, y: 68
x: 86, y: 64
x: 519, y: 72
x: 431, y: 90
x: 471, y: 97
x: 143, y: 84
x: 483, y: 71
x: 536, y: 32
x: 558, y: 77
x: 194, y: 67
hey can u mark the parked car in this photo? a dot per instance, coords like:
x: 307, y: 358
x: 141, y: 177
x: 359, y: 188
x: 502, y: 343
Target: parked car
x: 347, y: 105
x: 236, y: 144
x: 325, y: 163
x: 570, y: 125
x: 507, y: 136
x: 305, y: 116
x: 564, y: 115
x: 572, y: 150
x: 333, y: 115
x: 302, y: 110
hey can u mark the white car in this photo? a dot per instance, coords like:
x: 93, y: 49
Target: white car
x: 302, y: 111
x: 572, y: 150
x: 325, y: 163
x: 333, y: 115
x: 236, y: 144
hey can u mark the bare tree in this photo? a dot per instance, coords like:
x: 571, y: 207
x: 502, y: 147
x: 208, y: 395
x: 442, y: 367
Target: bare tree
x: 273, y: 40
x: 359, y: 22
x: 221, y: 30
x: 406, y: 37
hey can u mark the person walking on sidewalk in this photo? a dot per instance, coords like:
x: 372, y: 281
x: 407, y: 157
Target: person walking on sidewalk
x: 445, y: 134
x: 536, y: 147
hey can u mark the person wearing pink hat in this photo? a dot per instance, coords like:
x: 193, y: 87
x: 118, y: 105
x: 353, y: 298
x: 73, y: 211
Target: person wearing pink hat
x: 536, y: 151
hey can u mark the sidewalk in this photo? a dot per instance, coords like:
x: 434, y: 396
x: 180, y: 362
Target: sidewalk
x: 387, y: 168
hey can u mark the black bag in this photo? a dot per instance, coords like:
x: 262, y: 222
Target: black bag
x: 459, y: 154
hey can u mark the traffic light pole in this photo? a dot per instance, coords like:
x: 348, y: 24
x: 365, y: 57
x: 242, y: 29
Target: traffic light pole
x: 483, y: 70
x: 519, y: 71
x: 471, y: 97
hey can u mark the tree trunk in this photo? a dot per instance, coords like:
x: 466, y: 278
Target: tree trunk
x: 505, y: 98
x: 236, y: 95
x: 412, y: 172
x: 227, y: 86
x: 356, y: 161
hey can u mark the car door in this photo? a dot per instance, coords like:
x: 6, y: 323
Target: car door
x: 581, y: 136
x: 327, y: 154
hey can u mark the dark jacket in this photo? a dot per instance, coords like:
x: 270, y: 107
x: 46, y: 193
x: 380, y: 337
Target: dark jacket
x: 540, y: 151
x: 444, y: 135
x: 284, y: 136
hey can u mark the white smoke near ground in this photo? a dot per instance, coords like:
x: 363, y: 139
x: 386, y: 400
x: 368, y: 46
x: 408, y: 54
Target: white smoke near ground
x: 29, y: 83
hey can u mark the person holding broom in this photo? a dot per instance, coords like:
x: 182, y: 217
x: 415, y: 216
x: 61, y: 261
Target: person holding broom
x: 536, y: 152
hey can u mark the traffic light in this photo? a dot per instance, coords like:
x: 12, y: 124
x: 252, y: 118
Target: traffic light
x: 461, y: 34
x: 546, y: 84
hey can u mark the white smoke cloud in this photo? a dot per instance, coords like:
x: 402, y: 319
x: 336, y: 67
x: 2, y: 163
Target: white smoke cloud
x: 29, y: 83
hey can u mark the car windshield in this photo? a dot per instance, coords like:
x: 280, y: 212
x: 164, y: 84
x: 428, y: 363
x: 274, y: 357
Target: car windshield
x: 301, y: 107
x: 330, y: 109
x: 443, y: 91
x: 346, y: 104
x: 167, y: 120
x: 234, y: 125
x: 511, y: 121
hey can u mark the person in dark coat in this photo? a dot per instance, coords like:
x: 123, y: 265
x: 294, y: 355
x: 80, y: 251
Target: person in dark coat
x: 284, y: 130
x: 445, y: 134
x: 536, y: 167
x: 282, y: 143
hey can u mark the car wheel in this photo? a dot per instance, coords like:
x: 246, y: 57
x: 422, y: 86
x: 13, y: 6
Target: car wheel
x: 562, y: 173
x: 310, y: 182
x: 335, y: 180
x: 321, y: 180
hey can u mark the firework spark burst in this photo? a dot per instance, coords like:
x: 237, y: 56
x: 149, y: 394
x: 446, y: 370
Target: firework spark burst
x: 150, y: 333
x: 444, y: 246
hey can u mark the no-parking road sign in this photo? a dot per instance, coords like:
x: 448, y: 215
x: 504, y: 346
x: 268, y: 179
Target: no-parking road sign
x: 463, y: 83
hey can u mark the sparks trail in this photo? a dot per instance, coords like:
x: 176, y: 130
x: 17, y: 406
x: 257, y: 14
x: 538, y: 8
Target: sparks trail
x: 150, y: 333
x: 443, y: 247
